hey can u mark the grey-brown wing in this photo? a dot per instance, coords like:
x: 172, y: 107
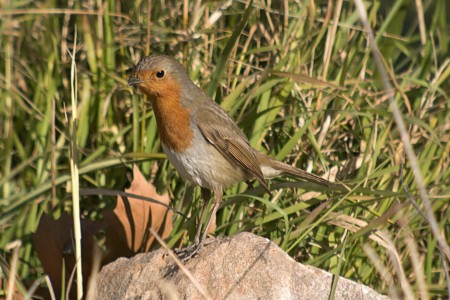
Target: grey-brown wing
x: 219, y: 130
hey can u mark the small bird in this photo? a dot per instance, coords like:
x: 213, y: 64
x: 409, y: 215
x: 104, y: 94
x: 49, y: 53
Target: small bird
x: 203, y: 143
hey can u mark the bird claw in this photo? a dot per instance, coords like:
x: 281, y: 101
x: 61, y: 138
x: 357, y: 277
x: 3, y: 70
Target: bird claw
x: 186, y: 253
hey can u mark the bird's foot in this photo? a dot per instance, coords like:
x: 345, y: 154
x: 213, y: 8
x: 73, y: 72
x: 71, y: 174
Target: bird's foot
x: 186, y: 253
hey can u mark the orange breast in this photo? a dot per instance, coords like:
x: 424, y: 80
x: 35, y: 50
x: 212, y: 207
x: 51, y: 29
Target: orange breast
x: 173, y: 120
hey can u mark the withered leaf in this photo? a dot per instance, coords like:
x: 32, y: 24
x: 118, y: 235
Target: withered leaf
x: 126, y: 231
x: 135, y: 216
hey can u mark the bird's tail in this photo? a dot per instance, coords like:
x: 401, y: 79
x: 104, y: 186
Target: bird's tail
x: 272, y: 168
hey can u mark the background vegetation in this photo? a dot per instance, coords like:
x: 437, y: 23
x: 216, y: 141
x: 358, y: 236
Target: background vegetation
x: 347, y: 132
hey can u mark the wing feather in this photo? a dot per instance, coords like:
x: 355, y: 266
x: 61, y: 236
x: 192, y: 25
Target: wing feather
x: 229, y: 140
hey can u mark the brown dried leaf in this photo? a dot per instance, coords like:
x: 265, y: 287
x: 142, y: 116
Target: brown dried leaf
x: 126, y: 230
x: 136, y: 216
x: 55, y: 246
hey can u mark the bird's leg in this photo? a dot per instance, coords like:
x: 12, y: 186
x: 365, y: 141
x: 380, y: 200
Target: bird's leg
x: 187, y: 253
x: 206, y: 195
x: 217, y: 200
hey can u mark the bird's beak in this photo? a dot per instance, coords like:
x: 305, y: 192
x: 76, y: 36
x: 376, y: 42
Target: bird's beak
x: 134, y: 81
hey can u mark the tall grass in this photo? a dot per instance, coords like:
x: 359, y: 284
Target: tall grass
x: 270, y: 78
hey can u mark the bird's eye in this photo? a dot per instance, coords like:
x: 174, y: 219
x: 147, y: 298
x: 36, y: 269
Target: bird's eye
x: 160, y: 74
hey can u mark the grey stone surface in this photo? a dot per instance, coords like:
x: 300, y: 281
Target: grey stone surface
x: 244, y: 266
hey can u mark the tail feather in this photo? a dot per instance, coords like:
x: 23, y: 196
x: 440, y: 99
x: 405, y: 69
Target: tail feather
x: 273, y: 168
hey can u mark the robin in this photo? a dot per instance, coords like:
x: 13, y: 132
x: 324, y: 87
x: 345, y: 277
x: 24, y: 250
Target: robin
x: 203, y: 143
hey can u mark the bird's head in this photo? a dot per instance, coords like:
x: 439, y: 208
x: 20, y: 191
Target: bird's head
x: 157, y: 75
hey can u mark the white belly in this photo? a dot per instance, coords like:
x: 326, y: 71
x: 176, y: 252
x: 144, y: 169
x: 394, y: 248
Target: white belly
x: 203, y: 165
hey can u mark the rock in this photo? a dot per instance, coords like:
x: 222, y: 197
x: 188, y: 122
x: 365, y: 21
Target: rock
x: 244, y: 266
